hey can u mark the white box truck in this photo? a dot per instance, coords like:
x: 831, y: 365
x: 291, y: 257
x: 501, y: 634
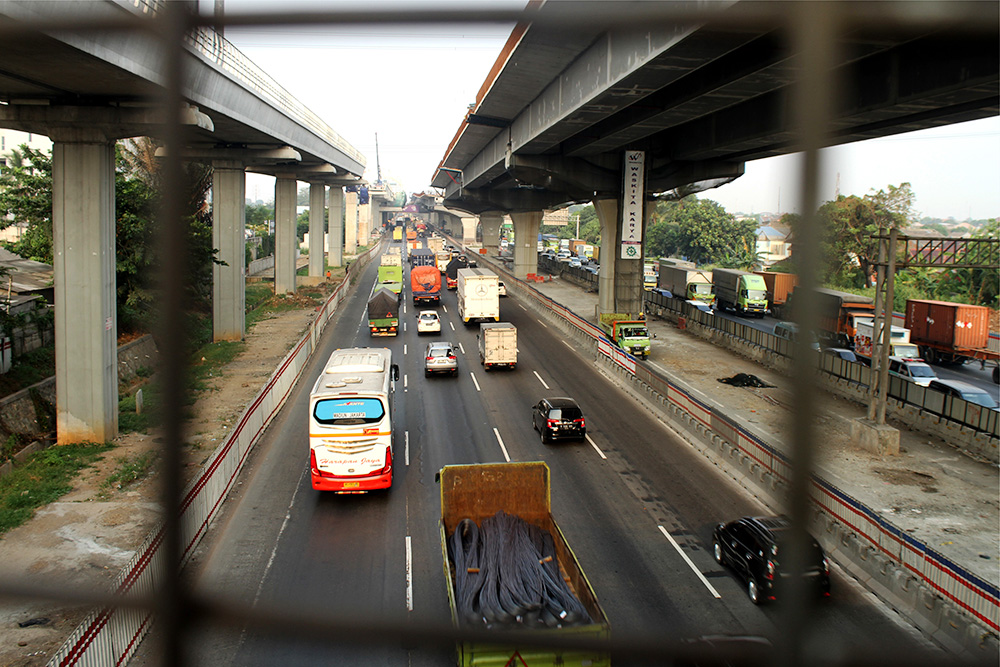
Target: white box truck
x: 497, y: 345
x: 478, y: 295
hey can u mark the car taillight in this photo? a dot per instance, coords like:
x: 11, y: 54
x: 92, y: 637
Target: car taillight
x: 451, y: 357
x: 581, y: 422
x: 551, y: 422
x: 770, y: 569
x: 430, y: 358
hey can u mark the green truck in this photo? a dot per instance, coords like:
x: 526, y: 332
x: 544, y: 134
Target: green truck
x: 477, y: 499
x: 627, y: 332
x: 390, y: 276
x: 741, y: 291
x: 383, y: 312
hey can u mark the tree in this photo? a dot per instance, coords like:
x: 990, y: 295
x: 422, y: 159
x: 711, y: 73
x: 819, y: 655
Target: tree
x: 851, y: 223
x: 26, y: 198
x: 702, y: 231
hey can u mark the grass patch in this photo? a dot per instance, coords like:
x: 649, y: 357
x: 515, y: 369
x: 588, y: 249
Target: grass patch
x: 43, y: 478
x: 130, y: 469
x: 131, y: 422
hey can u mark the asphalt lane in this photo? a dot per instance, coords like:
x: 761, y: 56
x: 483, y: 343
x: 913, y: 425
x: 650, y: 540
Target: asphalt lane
x: 631, y: 499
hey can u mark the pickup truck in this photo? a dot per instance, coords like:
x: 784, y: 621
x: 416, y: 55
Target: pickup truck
x: 627, y: 332
x: 472, y: 496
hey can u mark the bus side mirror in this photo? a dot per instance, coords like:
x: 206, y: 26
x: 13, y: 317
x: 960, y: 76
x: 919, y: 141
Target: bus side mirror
x: 395, y: 372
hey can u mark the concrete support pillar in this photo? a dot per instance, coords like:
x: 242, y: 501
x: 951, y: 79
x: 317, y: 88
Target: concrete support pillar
x: 607, y: 215
x: 526, y: 226
x: 351, y: 223
x: 229, y: 237
x: 469, y: 226
x: 285, y: 242
x: 317, y: 225
x: 364, y: 223
x: 620, y: 280
x: 376, y: 217
x: 83, y: 239
x: 490, y: 221
x: 335, y: 247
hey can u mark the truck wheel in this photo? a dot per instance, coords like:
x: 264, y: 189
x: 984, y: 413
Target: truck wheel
x: 996, y: 375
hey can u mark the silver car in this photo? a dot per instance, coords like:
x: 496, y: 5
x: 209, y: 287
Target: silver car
x: 440, y: 358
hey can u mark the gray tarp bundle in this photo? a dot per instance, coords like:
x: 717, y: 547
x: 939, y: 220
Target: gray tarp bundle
x: 383, y: 304
x: 454, y: 265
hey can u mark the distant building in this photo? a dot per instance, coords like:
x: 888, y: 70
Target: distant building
x: 28, y: 284
x: 772, y: 245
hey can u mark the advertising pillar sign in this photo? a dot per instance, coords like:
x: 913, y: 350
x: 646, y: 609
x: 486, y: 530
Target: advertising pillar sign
x: 633, y: 191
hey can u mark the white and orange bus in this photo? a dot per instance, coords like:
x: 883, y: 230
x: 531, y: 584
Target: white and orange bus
x: 350, y: 421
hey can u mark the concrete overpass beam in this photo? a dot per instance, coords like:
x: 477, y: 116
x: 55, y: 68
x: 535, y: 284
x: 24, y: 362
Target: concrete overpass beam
x: 86, y: 331
x: 335, y: 245
x: 317, y: 227
x: 351, y: 223
x: 229, y: 237
x: 285, y: 242
x: 526, y: 226
x: 490, y: 222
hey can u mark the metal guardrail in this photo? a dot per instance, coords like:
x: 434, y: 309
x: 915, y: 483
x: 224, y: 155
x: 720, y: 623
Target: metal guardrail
x: 961, y: 412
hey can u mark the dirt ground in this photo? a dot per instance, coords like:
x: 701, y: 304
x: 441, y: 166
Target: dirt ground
x: 89, y: 535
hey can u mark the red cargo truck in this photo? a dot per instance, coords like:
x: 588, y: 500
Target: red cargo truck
x: 425, y: 284
x: 779, y: 288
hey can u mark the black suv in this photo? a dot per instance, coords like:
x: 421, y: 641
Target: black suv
x: 558, y: 417
x: 752, y: 547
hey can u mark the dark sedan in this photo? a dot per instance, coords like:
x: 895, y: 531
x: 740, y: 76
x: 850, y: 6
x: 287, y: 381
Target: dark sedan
x: 558, y: 417
x: 752, y: 546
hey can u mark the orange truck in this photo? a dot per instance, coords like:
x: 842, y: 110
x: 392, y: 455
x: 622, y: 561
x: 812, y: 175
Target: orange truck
x: 425, y: 284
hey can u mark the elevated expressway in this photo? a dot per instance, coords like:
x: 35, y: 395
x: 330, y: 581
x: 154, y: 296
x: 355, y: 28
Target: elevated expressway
x: 697, y: 91
x: 88, y: 72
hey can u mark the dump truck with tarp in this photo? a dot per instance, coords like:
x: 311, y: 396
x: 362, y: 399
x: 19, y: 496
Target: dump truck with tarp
x: 425, y: 285
x: 383, y: 312
x: 627, y: 332
x: 501, y: 513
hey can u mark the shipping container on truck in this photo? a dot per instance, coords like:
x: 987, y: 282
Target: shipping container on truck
x: 497, y: 345
x: 472, y: 494
x: 478, y: 295
x: 779, y: 287
x: 421, y: 257
x: 950, y: 333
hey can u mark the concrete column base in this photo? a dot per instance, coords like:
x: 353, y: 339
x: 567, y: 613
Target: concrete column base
x: 880, y: 439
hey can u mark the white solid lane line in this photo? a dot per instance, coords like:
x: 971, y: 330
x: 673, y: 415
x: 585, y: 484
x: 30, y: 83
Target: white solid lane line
x: 594, y: 445
x: 461, y: 348
x: 474, y: 381
x: 540, y: 379
x: 543, y: 324
x: 404, y: 348
x: 406, y: 449
x: 506, y: 456
x: 687, y: 560
x: 405, y: 381
x: 568, y: 345
x: 409, y: 575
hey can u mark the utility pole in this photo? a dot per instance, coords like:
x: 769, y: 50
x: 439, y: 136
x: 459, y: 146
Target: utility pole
x: 378, y: 166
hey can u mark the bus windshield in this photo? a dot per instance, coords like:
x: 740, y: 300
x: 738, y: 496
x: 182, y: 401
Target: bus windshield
x: 348, y: 411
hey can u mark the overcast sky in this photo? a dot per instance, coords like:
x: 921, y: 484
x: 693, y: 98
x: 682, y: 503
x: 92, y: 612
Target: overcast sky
x: 412, y: 86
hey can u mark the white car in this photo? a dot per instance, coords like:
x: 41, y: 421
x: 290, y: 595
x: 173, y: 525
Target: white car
x: 428, y: 322
x: 502, y: 289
